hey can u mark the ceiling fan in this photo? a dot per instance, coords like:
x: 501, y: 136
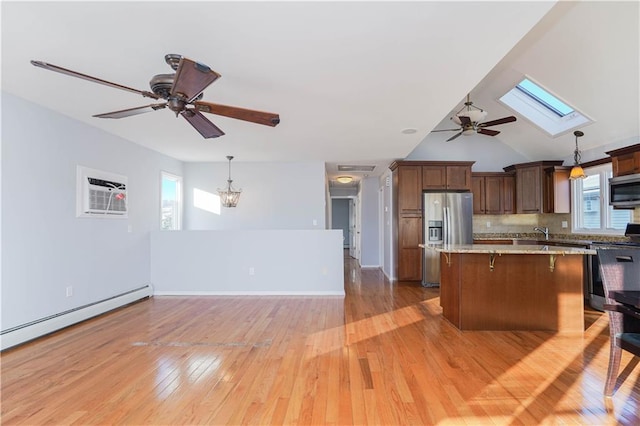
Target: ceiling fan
x: 470, y: 119
x: 182, y: 92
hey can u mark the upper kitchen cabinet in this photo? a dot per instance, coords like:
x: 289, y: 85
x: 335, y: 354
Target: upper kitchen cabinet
x: 557, y: 190
x: 447, y: 175
x: 493, y: 193
x: 532, y: 187
x: 625, y: 161
x: 409, y: 190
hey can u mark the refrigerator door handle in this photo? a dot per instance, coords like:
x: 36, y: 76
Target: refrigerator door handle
x: 446, y: 225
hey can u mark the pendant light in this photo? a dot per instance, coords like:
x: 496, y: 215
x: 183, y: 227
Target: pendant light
x: 229, y: 197
x: 576, y: 171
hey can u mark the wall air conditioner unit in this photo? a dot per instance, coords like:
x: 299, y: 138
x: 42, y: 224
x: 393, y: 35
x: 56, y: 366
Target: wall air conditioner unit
x: 100, y: 194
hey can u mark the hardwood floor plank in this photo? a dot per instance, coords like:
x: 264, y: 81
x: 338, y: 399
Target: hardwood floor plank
x: 382, y: 355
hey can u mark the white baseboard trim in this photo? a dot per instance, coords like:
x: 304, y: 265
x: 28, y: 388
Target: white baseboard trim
x: 26, y: 332
x: 249, y: 293
x: 370, y: 266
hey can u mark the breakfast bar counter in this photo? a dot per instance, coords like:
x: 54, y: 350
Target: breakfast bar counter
x: 505, y: 287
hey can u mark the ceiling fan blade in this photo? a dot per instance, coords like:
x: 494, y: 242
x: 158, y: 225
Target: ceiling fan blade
x: 464, y: 120
x: 191, y: 79
x: 446, y: 130
x: 488, y: 132
x: 71, y: 73
x: 199, y: 122
x: 453, y: 137
x: 131, y: 111
x: 260, y: 117
x: 502, y: 120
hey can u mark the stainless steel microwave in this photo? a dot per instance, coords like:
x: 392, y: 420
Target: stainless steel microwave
x: 624, y: 191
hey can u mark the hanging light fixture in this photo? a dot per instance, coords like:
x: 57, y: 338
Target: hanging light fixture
x: 576, y: 171
x: 475, y: 114
x: 229, y: 196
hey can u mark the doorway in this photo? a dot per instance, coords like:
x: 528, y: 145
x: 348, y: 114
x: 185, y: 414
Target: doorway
x: 344, y: 214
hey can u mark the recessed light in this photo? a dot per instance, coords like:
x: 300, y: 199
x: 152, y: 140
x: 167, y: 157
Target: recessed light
x: 409, y: 131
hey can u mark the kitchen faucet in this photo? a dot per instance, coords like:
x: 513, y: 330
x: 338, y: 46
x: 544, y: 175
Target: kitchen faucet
x: 544, y: 230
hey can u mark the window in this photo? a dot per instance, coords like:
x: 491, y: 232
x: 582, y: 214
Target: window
x: 171, y: 202
x: 543, y: 109
x: 592, y: 213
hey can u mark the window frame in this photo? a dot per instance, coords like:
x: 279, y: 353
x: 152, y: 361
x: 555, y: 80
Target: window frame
x: 604, y: 172
x: 179, y: 199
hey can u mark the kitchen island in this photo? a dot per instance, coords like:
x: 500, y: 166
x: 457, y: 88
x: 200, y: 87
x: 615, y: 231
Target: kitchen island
x: 506, y: 287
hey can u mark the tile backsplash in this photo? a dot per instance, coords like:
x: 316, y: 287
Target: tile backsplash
x: 512, y: 224
x: 520, y: 223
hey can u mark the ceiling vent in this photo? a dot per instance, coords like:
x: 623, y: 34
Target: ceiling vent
x: 346, y: 168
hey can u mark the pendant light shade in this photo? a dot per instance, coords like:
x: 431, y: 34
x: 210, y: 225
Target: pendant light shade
x: 229, y: 196
x: 577, y: 172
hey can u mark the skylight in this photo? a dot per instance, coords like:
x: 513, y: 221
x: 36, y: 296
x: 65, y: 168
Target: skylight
x: 543, y: 109
x: 545, y: 98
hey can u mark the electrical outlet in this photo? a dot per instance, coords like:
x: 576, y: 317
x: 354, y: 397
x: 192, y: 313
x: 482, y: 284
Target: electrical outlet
x: 315, y: 222
x: 69, y: 291
x: 252, y: 271
x: 565, y: 224
x: 488, y: 224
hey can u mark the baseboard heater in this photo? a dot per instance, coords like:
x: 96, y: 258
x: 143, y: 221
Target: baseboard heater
x: 26, y: 332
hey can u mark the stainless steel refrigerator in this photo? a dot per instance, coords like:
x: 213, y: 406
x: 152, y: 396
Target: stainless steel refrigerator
x: 448, y: 219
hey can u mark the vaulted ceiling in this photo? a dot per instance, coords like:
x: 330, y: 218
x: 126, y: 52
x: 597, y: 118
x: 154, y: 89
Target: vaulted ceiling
x: 345, y: 77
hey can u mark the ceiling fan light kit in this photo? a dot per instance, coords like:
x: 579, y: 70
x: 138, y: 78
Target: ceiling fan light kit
x: 470, y: 118
x: 182, y: 92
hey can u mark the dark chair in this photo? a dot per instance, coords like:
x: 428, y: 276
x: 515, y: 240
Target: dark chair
x: 620, y: 270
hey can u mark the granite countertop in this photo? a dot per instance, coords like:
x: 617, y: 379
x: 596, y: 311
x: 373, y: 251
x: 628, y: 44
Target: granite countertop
x: 508, y: 249
x: 553, y: 238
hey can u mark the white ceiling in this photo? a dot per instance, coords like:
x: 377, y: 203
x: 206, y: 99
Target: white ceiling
x: 345, y: 77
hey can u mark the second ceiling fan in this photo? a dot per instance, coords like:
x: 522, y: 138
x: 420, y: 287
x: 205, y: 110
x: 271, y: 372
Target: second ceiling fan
x: 470, y: 119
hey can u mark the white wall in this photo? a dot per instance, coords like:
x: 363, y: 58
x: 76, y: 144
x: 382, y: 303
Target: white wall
x: 489, y: 154
x: 297, y: 262
x: 274, y: 195
x: 45, y: 248
x: 369, y: 231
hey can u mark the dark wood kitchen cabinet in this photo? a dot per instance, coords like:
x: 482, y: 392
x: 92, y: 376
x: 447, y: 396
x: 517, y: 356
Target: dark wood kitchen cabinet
x: 531, y: 185
x: 410, y: 180
x: 509, y: 194
x: 493, y: 193
x: 451, y: 176
x: 625, y: 161
x: 407, y: 185
x: 557, y: 190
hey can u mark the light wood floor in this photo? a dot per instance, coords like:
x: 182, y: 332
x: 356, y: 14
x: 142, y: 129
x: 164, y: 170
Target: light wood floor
x: 382, y: 355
